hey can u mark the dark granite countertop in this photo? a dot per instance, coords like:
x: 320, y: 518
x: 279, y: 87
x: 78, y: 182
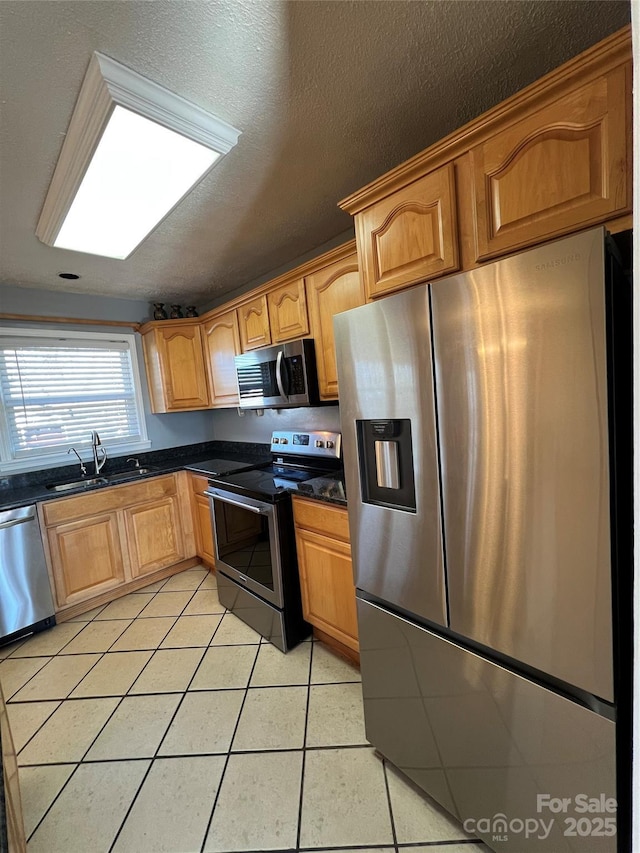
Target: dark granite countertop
x: 31, y: 487
x: 329, y: 488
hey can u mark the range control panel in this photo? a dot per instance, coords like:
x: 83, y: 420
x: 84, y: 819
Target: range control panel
x: 313, y: 443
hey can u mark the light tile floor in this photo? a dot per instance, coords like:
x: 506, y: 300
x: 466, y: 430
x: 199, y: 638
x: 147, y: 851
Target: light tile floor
x: 160, y: 722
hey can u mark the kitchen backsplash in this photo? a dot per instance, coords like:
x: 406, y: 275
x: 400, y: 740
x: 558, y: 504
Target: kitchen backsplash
x: 228, y: 425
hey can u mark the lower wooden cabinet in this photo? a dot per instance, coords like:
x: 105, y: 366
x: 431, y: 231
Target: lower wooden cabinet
x: 109, y: 538
x: 154, y: 535
x: 86, y: 557
x: 202, y: 520
x: 326, y: 574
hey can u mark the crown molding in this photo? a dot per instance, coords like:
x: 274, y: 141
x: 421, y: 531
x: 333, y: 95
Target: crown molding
x: 108, y: 84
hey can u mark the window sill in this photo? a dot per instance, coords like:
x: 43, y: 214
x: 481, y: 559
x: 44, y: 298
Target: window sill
x: 54, y: 460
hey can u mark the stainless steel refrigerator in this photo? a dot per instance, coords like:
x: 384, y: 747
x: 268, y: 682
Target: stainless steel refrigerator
x: 484, y: 421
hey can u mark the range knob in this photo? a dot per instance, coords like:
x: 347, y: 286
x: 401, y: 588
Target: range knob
x: 319, y: 443
x: 330, y: 444
x: 284, y: 441
x: 276, y: 440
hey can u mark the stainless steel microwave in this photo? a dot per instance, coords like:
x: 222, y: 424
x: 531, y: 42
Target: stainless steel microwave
x: 283, y: 376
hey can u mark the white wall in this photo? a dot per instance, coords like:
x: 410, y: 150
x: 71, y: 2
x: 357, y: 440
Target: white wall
x: 169, y: 430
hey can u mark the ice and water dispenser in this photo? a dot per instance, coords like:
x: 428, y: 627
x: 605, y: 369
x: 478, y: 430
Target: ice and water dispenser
x: 386, y: 463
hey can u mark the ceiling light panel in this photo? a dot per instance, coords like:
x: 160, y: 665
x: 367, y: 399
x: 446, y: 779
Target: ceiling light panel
x: 132, y: 152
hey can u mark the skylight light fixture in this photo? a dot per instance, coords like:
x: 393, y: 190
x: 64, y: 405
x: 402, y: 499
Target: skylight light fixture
x: 132, y: 152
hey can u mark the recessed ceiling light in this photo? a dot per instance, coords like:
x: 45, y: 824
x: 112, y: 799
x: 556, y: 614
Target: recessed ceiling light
x: 70, y: 275
x: 132, y: 152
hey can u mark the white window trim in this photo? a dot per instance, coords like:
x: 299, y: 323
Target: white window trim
x: 61, y: 457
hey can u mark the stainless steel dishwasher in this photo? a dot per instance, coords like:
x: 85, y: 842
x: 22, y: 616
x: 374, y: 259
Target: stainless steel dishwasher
x: 26, y: 604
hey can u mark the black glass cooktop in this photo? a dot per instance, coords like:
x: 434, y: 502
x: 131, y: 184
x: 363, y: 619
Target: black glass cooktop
x: 215, y: 467
x: 269, y: 482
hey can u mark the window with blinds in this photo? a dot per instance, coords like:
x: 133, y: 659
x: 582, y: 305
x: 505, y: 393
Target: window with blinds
x: 55, y: 391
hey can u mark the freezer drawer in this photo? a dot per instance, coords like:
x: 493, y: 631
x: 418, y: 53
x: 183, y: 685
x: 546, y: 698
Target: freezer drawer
x: 521, y: 374
x: 483, y: 741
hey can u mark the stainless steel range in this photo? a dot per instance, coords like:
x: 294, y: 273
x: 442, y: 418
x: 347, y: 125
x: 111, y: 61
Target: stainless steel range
x: 256, y: 560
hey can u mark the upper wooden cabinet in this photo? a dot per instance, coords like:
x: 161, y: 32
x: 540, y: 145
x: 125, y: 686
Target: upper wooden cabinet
x: 409, y: 236
x: 552, y: 159
x: 221, y: 340
x: 174, y: 361
x: 253, y: 319
x: 288, y: 317
x: 335, y: 288
x: 561, y: 168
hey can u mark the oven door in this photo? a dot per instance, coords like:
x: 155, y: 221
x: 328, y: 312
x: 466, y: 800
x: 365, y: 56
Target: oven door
x: 246, y: 542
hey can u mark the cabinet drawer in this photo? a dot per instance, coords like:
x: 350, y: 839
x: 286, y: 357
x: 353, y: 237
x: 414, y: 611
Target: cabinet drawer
x: 322, y: 518
x: 109, y: 499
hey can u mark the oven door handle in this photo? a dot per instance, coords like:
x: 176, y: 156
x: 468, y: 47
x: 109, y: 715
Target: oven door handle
x: 225, y: 500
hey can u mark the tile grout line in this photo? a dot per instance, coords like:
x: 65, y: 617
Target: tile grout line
x: 394, y: 834
x: 154, y: 651
x: 67, y: 698
x: 128, y: 694
x: 55, y: 799
x: 226, y: 763
x: 304, y: 750
x: 162, y: 739
x: 269, y: 751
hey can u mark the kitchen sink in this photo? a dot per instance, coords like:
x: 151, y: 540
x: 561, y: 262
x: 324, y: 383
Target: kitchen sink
x: 129, y: 475
x: 77, y: 484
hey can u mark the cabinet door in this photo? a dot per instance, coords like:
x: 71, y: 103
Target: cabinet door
x: 326, y: 582
x: 559, y: 169
x: 409, y: 236
x: 176, y: 370
x: 221, y: 339
x: 333, y: 289
x: 202, y: 520
x: 288, y: 312
x: 204, y: 531
x: 253, y: 319
x: 154, y: 535
x: 86, y: 558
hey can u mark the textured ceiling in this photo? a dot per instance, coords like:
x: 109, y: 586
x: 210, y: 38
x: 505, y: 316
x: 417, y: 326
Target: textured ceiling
x: 328, y: 95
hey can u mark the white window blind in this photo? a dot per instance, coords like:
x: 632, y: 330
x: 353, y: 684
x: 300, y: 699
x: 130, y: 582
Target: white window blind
x: 56, y: 391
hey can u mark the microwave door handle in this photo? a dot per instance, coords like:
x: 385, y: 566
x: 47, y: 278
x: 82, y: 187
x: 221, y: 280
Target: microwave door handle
x: 280, y: 374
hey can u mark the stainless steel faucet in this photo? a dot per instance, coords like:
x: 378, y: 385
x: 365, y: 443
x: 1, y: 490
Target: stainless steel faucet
x: 82, y: 465
x: 95, y: 444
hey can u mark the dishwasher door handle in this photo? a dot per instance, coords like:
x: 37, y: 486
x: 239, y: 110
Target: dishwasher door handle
x: 13, y: 517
